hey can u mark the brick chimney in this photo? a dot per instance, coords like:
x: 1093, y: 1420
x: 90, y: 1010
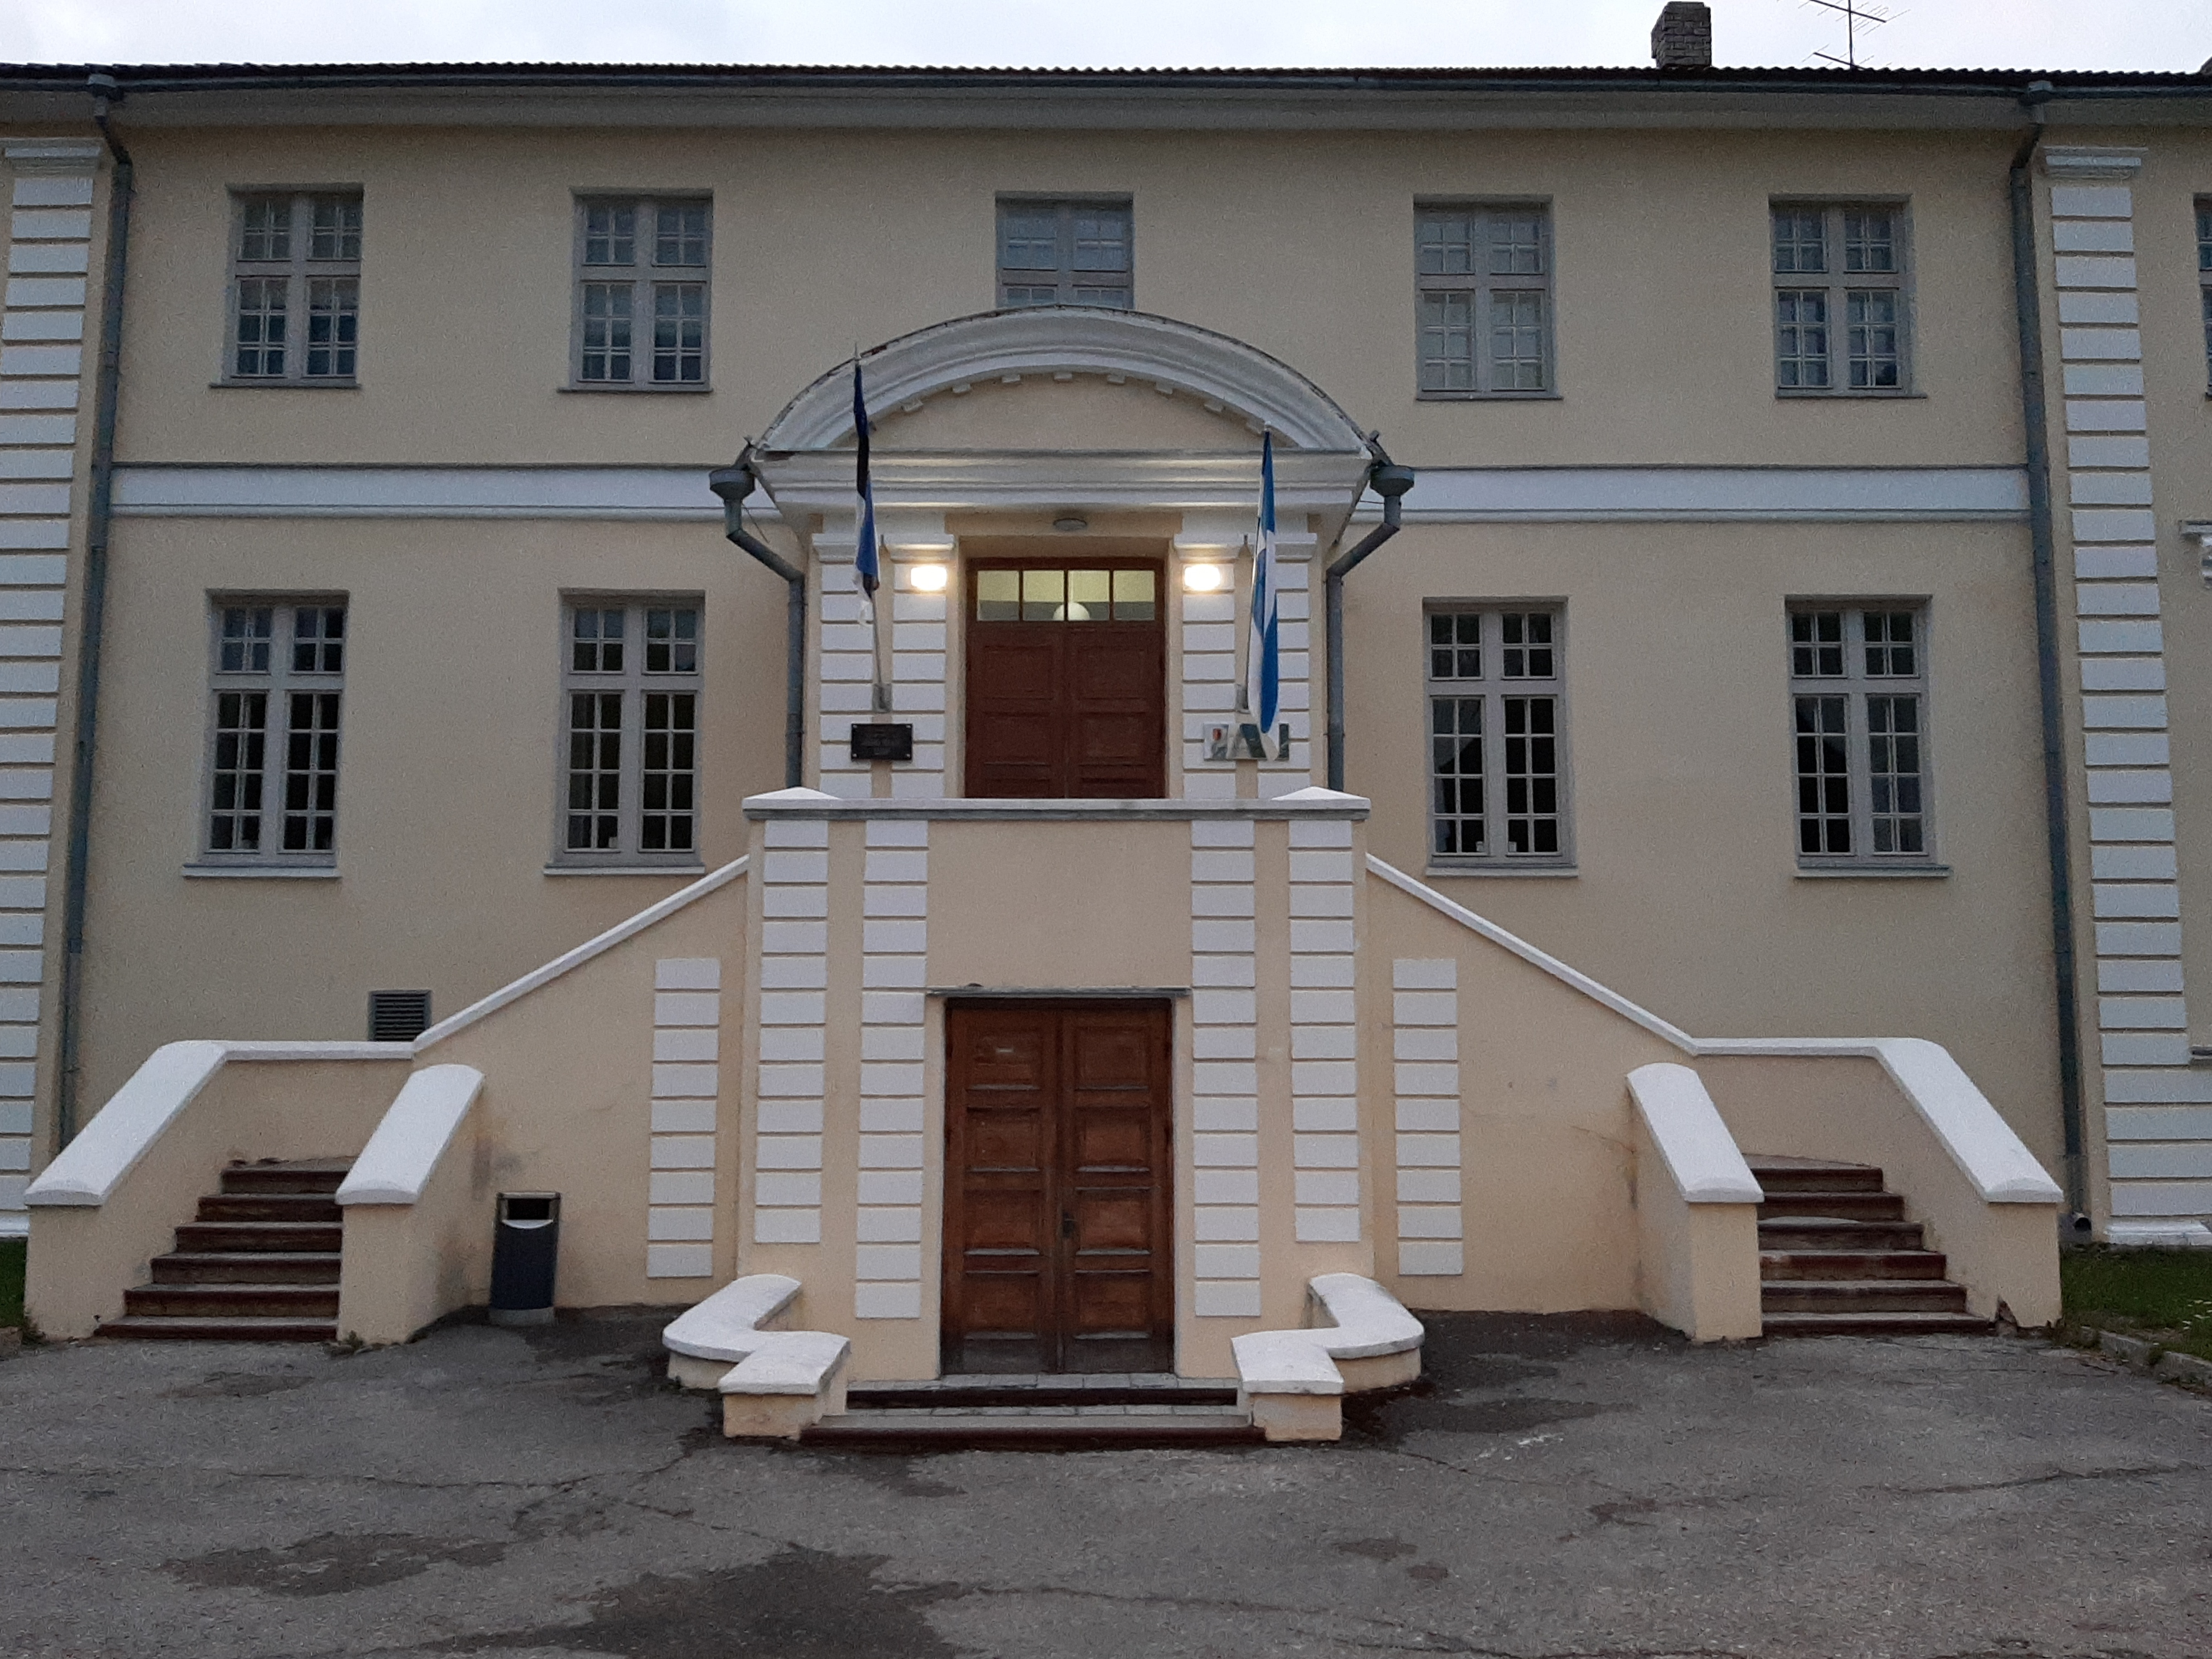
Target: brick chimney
x: 1683, y: 36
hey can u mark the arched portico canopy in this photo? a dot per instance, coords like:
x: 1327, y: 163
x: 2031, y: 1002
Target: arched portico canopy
x: 1080, y: 340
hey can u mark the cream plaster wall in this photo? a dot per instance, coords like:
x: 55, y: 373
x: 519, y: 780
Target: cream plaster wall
x: 449, y: 747
x: 828, y: 238
x: 1688, y: 897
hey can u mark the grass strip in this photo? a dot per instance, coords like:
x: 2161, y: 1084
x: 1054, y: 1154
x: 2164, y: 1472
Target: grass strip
x: 2167, y: 1293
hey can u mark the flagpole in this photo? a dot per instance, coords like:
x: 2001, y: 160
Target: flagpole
x: 867, y: 563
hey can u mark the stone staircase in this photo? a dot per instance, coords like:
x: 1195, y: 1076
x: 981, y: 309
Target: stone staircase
x: 1037, y: 1413
x: 259, y: 1264
x: 1838, y: 1258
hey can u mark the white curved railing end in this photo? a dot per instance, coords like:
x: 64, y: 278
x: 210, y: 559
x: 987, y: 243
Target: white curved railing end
x: 412, y: 1136
x: 107, y: 1148
x: 1693, y: 1139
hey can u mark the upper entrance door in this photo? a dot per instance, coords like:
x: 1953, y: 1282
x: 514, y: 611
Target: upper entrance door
x: 1067, y: 679
x: 1057, y: 1255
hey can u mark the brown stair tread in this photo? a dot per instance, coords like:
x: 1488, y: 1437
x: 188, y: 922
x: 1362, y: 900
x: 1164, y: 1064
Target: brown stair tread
x: 1789, y: 1267
x: 225, y: 1301
x: 1779, y: 1161
x: 1875, y: 1323
x: 239, y: 1267
x: 876, y: 1397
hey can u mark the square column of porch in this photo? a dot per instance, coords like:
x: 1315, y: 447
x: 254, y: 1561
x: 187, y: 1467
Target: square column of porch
x: 2157, y: 1115
x: 894, y: 975
x: 912, y: 631
x: 1224, y: 1070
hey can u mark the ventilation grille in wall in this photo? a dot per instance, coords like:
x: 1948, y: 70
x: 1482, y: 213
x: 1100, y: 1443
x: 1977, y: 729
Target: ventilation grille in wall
x: 398, y: 1016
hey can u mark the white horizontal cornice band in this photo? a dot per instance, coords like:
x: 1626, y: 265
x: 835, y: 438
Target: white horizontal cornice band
x: 1603, y: 494
x: 822, y: 481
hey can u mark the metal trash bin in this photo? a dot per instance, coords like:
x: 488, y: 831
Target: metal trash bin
x: 526, y: 1248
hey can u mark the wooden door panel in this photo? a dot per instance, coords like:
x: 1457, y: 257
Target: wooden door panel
x: 1115, y: 665
x: 1058, y: 1251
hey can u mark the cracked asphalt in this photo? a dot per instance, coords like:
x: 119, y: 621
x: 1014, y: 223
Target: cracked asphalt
x: 1571, y: 1486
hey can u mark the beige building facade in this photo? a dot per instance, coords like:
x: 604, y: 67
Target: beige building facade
x: 1696, y: 696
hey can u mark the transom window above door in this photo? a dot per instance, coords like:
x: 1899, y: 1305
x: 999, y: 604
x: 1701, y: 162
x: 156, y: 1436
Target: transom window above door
x: 1067, y: 596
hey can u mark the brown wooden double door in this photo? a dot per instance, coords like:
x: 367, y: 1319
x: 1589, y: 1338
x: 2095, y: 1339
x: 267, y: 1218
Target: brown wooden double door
x: 1067, y: 679
x: 1058, y: 1221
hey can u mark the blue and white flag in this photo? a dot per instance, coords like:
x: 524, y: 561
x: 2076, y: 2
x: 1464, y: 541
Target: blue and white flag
x: 1263, y: 672
x: 866, y: 565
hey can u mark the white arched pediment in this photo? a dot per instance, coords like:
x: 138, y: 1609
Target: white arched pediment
x: 1223, y: 375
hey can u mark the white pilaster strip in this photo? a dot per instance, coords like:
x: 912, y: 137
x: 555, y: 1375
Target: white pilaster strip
x: 1225, y: 1072
x: 895, y: 899
x: 1324, y: 1034
x: 42, y: 348
x: 2160, y: 1157
x: 795, y: 979
x: 1424, y: 1041
x: 687, y: 1085
x: 1213, y: 625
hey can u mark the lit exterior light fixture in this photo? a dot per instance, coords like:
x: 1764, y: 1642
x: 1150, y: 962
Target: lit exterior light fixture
x: 1202, y: 577
x: 928, y: 578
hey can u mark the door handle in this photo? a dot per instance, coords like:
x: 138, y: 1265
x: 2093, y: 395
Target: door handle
x: 1067, y: 1224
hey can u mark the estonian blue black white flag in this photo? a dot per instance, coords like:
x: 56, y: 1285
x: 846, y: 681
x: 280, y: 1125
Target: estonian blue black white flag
x: 866, y: 563
x: 1263, y: 673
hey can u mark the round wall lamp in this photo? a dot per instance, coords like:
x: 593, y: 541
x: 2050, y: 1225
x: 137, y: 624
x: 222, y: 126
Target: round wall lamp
x: 927, y: 578
x: 1202, y: 577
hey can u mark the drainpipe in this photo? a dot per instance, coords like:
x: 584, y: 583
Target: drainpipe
x: 2034, y: 411
x: 733, y: 484
x: 99, y: 510
x: 1391, y: 482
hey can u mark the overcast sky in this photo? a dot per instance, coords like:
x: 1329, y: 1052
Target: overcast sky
x: 2105, y: 34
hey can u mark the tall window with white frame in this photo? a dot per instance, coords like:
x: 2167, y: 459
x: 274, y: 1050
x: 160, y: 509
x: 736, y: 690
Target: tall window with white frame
x: 274, y: 701
x: 294, y: 289
x: 1074, y: 252
x: 1497, y: 770
x: 629, y: 770
x: 1858, y: 701
x: 1840, y: 300
x: 641, y: 289
x: 2204, y: 276
x: 1484, y: 282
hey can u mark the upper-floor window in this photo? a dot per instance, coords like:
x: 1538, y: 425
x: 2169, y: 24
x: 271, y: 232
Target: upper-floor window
x: 1497, y: 771
x: 1066, y: 252
x: 629, y: 767
x: 1484, y: 277
x: 294, y: 288
x: 1840, y: 298
x: 1858, y: 699
x: 641, y: 289
x: 2204, y: 275
x: 277, y: 679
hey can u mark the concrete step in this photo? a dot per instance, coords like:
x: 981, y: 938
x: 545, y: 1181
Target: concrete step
x: 232, y: 1301
x: 1843, y: 1205
x: 247, y: 1268
x: 222, y: 1330
x: 1812, y: 1175
x: 304, y: 1175
x: 1048, y: 1428
x: 1863, y: 1296
x: 1838, y: 1233
x: 268, y: 1206
x: 1003, y: 1394
x: 1875, y: 1324
x: 202, y: 1237
x: 1780, y: 1266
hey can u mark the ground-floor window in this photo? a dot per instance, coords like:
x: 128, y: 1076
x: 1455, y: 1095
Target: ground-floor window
x: 1858, y: 712
x: 630, y: 759
x: 276, y: 689
x: 1497, y: 716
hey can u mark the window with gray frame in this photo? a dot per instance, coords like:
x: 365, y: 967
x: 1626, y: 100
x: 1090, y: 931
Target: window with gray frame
x: 1840, y: 298
x: 2204, y: 276
x: 294, y: 289
x: 1066, y: 252
x: 642, y: 293
x: 1858, y: 704
x: 1497, y: 773
x: 1484, y: 277
x: 278, y: 683
x: 629, y: 702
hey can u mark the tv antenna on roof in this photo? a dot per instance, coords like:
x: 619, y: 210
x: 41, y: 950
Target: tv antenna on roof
x: 1855, y: 13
